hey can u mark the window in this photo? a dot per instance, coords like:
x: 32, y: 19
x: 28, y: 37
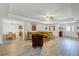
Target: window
x: 68, y: 28
x: 72, y: 28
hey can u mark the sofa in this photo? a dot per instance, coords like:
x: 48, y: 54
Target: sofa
x: 9, y: 36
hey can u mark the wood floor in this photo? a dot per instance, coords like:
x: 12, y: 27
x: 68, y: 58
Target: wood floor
x: 65, y: 46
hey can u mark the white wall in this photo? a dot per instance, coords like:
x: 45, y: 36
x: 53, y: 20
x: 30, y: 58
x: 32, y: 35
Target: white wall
x: 70, y: 33
x: 13, y: 26
x: 56, y: 32
x: 10, y: 25
x: 65, y: 33
x: 1, y: 40
x: 39, y: 27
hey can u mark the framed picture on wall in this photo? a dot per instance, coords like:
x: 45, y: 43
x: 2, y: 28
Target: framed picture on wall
x: 46, y: 28
x: 51, y: 28
x: 33, y: 27
x: 77, y: 27
x: 20, y: 27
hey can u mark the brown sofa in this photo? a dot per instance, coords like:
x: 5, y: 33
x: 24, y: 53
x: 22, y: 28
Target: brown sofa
x: 47, y: 36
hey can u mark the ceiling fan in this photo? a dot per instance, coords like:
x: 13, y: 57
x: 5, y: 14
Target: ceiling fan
x: 47, y: 17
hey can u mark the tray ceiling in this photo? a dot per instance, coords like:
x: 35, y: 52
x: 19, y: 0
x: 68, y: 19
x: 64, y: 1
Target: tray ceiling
x: 36, y: 11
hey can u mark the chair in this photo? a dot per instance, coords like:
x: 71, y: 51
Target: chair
x: 37, y: 40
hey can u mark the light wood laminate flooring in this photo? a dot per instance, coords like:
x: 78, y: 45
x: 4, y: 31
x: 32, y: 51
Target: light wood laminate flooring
x: 66, y: 46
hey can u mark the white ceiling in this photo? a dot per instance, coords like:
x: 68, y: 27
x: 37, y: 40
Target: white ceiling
x: 4, y: 8
x: 36, y: 10
x: 61, y: 11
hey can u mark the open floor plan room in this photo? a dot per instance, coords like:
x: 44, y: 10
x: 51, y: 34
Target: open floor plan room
x: 39, y: 29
